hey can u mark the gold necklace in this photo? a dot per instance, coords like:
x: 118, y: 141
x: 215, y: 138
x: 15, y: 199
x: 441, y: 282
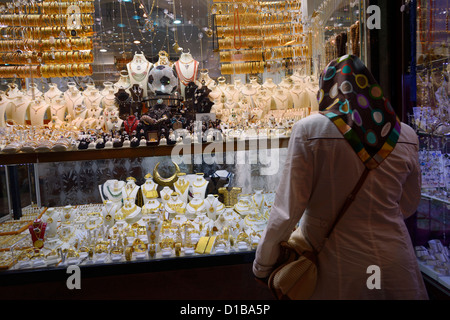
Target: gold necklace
x: 177, y: 207
x: 152, y: 193
x: 166, y: 197
x: 127, y: 212
x: 181, y: 185
x: 196, y: 206
x: 152, y: 231
x: 211, y: 208
x: 199, y: 186
x: 126, y: 190
x: 254, y: 201
x: 108, y: 215
x: 36, y: 110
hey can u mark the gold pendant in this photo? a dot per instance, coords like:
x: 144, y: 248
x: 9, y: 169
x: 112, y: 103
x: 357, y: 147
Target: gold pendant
x: 38, y: 243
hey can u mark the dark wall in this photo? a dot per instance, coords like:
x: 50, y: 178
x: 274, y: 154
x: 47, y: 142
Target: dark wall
x: 388, y: 51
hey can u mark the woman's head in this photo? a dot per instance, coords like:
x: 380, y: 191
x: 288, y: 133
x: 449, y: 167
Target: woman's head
x: 352, y: 99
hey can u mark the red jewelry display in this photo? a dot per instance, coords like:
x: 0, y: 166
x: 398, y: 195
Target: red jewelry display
x: 183, y: 79
x: 37, y: 231
x: 131, y: 124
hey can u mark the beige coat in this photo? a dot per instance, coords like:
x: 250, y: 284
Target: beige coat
x: 320, y: 171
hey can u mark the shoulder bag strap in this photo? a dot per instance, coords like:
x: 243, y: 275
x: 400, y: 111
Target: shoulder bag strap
x: 349, y: 200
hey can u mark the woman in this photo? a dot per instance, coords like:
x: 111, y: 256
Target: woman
x: 356, y: 129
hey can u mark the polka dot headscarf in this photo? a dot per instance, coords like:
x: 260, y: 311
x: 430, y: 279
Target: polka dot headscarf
x: 352, y: 99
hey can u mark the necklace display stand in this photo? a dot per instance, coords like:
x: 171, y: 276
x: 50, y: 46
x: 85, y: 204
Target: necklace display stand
x: 199, y: 185
x: 149, y: 189
x: 269, y: 85
x: 38, y: 110
x: 92, y: 97
x: 186, y: 68
x: 123, y: 82
x: 138, y: 71
x: 205, y: 80
x: 3, y: 105
x: 182, y: 187
x: 18, y: 109
x: 281, y: 99
x: 73, y: 97
x: 58, y: 107
x: 52, y: 93
x: 112, y: 190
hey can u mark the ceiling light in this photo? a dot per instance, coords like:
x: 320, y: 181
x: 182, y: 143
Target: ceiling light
x: 103, y: 50
x: 176, y: 21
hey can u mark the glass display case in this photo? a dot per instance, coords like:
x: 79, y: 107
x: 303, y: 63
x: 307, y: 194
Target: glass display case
x: 429, y: 115
x: 117, y: 206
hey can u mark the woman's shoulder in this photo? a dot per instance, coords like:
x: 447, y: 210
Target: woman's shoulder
x: 408, y: 135
x: 317, y: 126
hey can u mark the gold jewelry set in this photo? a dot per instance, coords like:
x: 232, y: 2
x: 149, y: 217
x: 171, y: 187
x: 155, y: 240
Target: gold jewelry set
x: 47, y: 44
x: 62, y: 70
x: 37, y: 20
x: 257, y: 32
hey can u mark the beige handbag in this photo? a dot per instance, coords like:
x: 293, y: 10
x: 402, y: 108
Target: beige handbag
x: 295, y: 276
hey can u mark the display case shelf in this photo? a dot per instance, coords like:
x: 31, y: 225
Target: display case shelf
x: 150, y: 151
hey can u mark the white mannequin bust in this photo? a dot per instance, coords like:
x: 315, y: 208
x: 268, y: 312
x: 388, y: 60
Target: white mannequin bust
x: 107, y: 86
x: 196, y: 206
x: 213, y: 206
x: 130, y: 211
x: 216, y: 94
x: 18, y: 108
x: 238, y: 84
x: 138, y: 71
x: 264, y: 100
x: 281, y: 99
x: 222, y: 84
x: 233, y: 94
x: 299, y: 97
x: 186, y: 68
x: 165, y: 193
x: 58, y: 107
x: 199, y: 185
x: 175, y: 206
x: 73, y: 98
x: 149, y: 189
x: 38, y: 109
x: 33, y: 91
x: 13, y: 91
x: 181, y: 186
x: 112, y: 190
x: 108, y: 212
x: 123, y: 82
x: 108, y: 100
x: 3, y: 105
x: 245, y: 103
x: 92, y: 97
x: 230, y: 103
x: 269, y: 85
x: 205, y: 80
x: 131, y: 189
x: 80, y: 111
x: 249, y: 92
x: 255, y: 84
x: 151, y: 206
x: 52, y: 93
